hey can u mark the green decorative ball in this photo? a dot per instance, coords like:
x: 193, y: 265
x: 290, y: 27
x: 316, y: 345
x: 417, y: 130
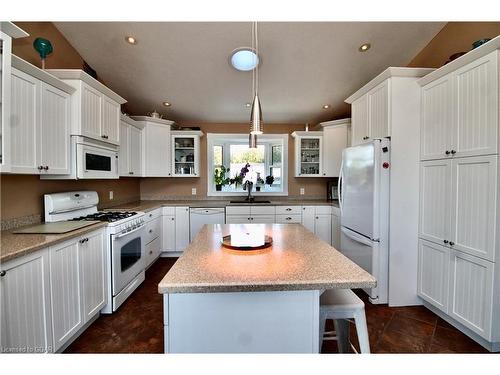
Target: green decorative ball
x: 43, y: 47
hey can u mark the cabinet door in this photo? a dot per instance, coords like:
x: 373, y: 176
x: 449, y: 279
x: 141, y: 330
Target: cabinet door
x: 26, y: 325
x: 54, y: 138
x: 135, y: 151
x: 336, y: 232
x: 91, y: 112
x: 156, y: 150
x: 378, y: 111
x: 168, y: 233
x: 25, y: 110
x: 152, y: 251
x: 181, y: 228
x: 334, y: 141
x: 124, y: 150
x: 309, y: 156
x: 474, y: 205
x: 238, y: 219
x: 437, y: 121
x: 110, y: 129
x: 185, y: 149
x: 471, y: 292
x: 94, y: 276
x: 308, y: 217
x: 359, y: 121
x: 433, y: 274
x: 435, y: 200
x: 323, y: 227
x: 65, y: 289
x: 476, y: 128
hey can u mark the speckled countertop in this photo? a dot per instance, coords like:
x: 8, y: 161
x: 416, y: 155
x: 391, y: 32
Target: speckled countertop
x: 16, y: 245
x: 297, y: 260
x: 149, y: 205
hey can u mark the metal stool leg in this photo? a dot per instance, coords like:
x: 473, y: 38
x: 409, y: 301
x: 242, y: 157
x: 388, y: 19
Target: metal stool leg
x: 342, y: 329
x: 362, y: 331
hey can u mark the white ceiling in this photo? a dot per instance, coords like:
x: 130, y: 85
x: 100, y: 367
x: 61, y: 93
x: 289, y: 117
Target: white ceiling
x: 304, y: 64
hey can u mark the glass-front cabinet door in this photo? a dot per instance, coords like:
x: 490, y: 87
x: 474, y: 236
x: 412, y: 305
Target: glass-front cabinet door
x: 185, y: 153
x: 308, y: 151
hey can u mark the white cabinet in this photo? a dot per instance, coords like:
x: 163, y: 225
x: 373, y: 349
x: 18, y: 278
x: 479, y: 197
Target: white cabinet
x: 185, y: 153
x: 156, y: 146
x: 26, y: 322
x: 308, y: 153
x: 336, y: 231
x: 95, y: 108
x: 92, y: 252
x: 359, y: 127
x: 471, y: 292
x: 250, y: 214
x: 335, y: 139
x: 168, y: 233
x: 153, y: 236
x: 433, y: 274
x: 181, y: 228
x: 318, y: 219
x: 175, y: 231
x: 130, y: 152
x: 66, y: 291
x: 40, y: 122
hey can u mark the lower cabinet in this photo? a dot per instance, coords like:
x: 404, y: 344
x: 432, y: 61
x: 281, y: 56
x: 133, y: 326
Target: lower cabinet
x: 153, y: 236
x: 175, y: 231
x: 318, y: 219
x: 49, y: 295
x: 26, y: 320
x: 336, y: 231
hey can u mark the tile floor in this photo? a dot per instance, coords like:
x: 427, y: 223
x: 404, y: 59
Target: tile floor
x: 137, y: 327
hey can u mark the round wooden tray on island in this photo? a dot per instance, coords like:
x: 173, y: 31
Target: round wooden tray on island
x: 226, y: 242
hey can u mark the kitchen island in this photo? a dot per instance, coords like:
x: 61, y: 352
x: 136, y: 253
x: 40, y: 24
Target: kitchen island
x: 219, y: 300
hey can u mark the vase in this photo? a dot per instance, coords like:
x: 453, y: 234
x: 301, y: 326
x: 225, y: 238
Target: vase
x: 218, y: 187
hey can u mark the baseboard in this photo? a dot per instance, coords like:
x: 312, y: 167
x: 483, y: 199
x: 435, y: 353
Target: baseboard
x: 171, y: 254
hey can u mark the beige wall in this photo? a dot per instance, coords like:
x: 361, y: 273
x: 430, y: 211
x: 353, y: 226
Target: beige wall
x: 160, y: 188
x: 454, y: 37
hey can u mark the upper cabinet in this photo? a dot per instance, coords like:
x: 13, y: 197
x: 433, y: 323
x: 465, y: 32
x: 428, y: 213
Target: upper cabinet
x: 186, y: 153
x: 39, y: 121
x: 336, y: 136
x: 8, y: 31
x: 95, y: 108
x: 130, y: 152
x: 155, y: 146
x: 308, y: 153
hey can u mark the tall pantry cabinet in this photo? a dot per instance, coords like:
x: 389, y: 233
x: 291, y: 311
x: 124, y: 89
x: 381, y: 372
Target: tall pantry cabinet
x: 459, y: 231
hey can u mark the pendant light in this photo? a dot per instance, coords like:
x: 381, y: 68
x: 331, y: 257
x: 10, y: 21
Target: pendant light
x: 256, y: 112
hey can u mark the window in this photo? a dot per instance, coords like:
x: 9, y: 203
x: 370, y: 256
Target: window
x: 266, y: 165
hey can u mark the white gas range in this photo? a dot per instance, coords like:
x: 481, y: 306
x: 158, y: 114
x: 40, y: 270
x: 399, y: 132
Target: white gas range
x: 125, y: 231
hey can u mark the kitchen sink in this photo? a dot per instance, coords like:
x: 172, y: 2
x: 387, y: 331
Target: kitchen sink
x: 250, y: 202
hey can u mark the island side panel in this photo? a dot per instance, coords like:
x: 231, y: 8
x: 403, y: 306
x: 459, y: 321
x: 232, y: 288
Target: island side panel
x: 246, y: 322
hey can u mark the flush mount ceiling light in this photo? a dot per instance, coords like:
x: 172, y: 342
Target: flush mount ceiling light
x: 166, y: 104
x: 131, y: 40
x: 326, y: 106
x: 244, y: 59
x: 364, y: 47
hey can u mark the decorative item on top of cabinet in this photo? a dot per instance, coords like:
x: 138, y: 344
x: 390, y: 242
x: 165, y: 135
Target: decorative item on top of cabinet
x: 8, y: 31
x: 336, y: 135
x: 40, y: 121
x: 186, y: 153
x: 95, y: 109
x: 130, y: 152
x: 308, y: 153
x: 155, y: 146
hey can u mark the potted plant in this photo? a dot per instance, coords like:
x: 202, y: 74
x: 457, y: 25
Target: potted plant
x: 269, y: 180
x: 220, y: 178
x: 260, y: 182
x: 238, y: 179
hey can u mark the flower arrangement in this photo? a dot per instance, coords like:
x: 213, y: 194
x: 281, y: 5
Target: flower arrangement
x: 220, y: 178
x: 238, y: 180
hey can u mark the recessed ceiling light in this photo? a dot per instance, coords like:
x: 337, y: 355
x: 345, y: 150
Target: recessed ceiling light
x: 131, y: 40
x: 244, y: 59
x: 364, y: 47
x: 326, y: 106
x: 166, y: 104
x: 248, y: 105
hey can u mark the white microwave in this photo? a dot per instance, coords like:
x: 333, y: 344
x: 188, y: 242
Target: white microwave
x: 90, y: 159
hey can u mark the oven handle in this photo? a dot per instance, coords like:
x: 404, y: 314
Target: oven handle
x: 127, y: 233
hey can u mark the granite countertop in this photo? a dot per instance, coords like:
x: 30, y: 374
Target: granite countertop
x: 297, y: 260
x: 17, y: 245
x: 149, y: 205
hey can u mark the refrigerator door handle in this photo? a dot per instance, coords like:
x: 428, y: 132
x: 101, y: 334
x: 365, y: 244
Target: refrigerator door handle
x: 356, y: 237
x: 339, y: 186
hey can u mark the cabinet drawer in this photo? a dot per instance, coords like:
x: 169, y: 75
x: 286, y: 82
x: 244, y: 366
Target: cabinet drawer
x: 151, y: 215
x: 288, y: 210
x: 152, y: 251
x: 168, y: 211
x: 263, y: 219
x: 289, y: 219
x: 237, y: 219
x: 263, y: 210
x: 238, y: 210
x: 153, y: 229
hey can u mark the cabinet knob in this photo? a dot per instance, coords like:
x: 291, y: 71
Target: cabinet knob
x: 317, y: 217
x: 453, y: 152
x: 130, y: 172
x: 150, y: 252
x: 324, y: 174
x: 150, y: 215
x: 40, y: 167
x: 445, y: 241
x: 150, y: 231
x: 46, y: 168
x: 447, y: 152
x: 172, y: 219
x: 3, y: 273
x: 452, y: 243
x: 289, y: 218
x: 288, y: 209
x: 365, y: 137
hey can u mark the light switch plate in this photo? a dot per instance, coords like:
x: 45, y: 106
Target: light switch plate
x: 193, y: 191
x: 302, y: 191
x: 111, y: 195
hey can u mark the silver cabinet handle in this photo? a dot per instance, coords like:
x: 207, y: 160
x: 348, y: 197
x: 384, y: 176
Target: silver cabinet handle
x: 3, y: 273
x: 453, y: 152
x: 447, y: 152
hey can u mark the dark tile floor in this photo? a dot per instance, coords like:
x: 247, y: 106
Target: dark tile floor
x: 137, y: 327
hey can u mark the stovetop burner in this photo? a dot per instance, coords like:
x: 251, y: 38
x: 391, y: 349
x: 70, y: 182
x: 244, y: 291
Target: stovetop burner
x: 109, y: 216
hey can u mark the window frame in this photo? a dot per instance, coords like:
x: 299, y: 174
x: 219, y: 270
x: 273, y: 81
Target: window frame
x: 222, y: 139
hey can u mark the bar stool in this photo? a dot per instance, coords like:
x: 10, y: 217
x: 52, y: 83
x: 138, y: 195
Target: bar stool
x: 342, y: 305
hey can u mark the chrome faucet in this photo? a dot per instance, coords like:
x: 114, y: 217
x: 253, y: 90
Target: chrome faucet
x: 248, y: 185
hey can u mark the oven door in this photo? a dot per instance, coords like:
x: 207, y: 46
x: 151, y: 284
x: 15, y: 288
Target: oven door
x: 96, y: 162
x: 127, y: 252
